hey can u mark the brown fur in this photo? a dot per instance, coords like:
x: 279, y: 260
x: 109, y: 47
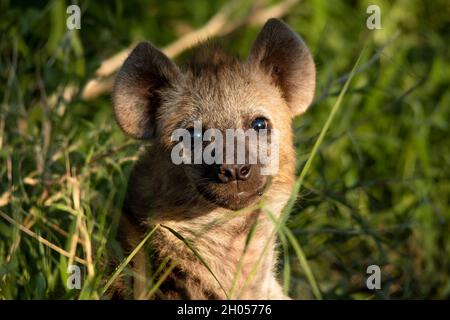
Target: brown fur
x: 153, y: 97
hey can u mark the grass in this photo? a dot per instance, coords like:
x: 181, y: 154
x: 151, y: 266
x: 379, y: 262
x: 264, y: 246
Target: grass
x: 373, y: 190
x: 126, y: 261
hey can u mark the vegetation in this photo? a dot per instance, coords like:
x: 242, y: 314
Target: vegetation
x: 376, y: 192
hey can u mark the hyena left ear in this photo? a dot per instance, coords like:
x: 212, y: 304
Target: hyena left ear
x: 284, y: 57
x: 136, y: 94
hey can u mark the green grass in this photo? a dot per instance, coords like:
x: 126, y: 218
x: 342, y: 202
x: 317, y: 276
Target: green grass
x: 374, y: 191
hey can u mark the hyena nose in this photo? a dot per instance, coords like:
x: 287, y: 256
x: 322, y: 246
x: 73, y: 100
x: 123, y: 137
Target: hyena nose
x: 231, y: 172
x: 244, y: 171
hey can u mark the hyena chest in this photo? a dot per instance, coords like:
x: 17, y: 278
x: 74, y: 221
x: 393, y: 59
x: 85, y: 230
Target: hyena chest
x: 229, y: 267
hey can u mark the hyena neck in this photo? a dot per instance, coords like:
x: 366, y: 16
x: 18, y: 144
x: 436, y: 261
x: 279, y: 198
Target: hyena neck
x: 243, y: 265
x: 233, y: 263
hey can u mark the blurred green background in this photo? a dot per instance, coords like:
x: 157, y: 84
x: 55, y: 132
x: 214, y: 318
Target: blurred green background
x: 377, y: 193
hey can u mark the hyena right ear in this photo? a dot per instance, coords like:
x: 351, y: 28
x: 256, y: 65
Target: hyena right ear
x: 281, y: 53
x: 136, y: 91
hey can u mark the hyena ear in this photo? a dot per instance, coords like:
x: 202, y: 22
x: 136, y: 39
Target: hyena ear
x: 136, y: 93
x: 284, y: 57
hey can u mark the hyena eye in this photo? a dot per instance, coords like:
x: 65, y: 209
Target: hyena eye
x: 259, y: 124
x: 195, y: 135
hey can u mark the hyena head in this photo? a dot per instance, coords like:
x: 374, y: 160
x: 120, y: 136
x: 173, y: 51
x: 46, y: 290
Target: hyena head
x: 153, y: 98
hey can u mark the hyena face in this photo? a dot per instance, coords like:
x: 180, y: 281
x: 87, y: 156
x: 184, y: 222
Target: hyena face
x: 153, y: 98
x: 227, y: 96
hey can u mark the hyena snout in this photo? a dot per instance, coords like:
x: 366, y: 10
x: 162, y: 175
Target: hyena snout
x: 232, y: 172
x: 232, y: 186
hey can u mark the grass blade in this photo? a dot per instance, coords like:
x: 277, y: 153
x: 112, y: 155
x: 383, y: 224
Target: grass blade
x: 304, y: 263
x: 196, y: 253
x: 334, y: 109
x: 241, y: 260
x: 299, y: 182
x: 125, y: 262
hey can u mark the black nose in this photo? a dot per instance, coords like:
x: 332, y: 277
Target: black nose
x: 231, y: 172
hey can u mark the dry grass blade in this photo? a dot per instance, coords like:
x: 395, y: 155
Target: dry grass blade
x: 41, y: 239
x: 304, y: 263
x: 219, y: 25
x: 82, y: 226
x: 161, y: 279
x: 249, y: 238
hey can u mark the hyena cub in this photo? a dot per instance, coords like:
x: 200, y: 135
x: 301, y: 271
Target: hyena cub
x: 152, y: 98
